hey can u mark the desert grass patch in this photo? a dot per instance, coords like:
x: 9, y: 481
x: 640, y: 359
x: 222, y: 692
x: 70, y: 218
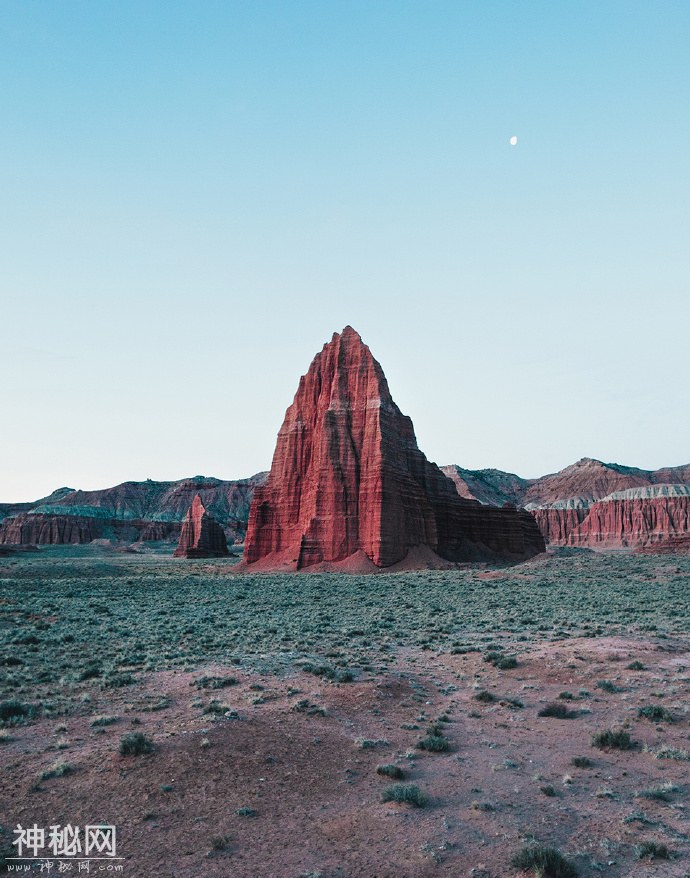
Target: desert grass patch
x: 666, y: 752
x: 608, y: 686
x: 394, y: 772
x: 434, y: 744
x: 210, y: 682
x: 135, y: 744
x: 612, y: 739
x: 104, y: 720
x: 653, y: 850
x: 656, y: 713
x: 405, y: 794
x: 660, y: 793
x: 557, y: 711
x: 57, y: 769
x: 14, y: 712
x: 371, y: 743
x: 543, y: 862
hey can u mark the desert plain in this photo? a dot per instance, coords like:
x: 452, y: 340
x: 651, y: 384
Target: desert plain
x: 399, y: 725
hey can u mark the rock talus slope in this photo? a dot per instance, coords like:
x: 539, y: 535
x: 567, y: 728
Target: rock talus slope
x: 201, y: 536
x: 347, y: 477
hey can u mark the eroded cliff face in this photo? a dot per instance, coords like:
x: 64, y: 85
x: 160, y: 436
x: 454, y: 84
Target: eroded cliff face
x: 132, y: 512
x: 201, y: 536
x: 594, y: 504
x: 348, y: 477
x: 633, y: 518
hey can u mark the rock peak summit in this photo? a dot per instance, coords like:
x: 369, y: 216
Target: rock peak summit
x: 348, y: 479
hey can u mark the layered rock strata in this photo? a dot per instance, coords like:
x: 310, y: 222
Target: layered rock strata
x: 347, y: 477
x: 201, y: 536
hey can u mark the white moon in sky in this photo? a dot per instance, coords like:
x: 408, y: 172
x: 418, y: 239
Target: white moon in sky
x: 513, y: 140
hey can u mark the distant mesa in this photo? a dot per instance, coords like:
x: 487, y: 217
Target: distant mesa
x: 201, y: 536
x: 140, y: 514
x: 349, y: 486
x: 592, y: 504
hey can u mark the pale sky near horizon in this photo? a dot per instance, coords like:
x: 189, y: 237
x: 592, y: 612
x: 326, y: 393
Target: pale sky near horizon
x: 195, y: 196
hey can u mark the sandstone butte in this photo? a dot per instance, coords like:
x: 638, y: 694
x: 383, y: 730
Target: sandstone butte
x: 349, y: 484
x: 201, y: 536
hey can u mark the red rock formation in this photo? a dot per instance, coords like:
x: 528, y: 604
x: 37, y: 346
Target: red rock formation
x: 619, y: 522
x: 348, y: 477
x: 130, y: 512
x: 202, y: 536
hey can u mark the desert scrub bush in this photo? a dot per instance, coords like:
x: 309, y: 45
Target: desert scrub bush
x: 485, y: 697
x: 304, y: 705
x: 369, y: 743
x: 669, y: 753
x: 135, y: 744
x: 581, y: 762
x: 611, y: 739
x: 245, y: 811
x: 14, y: 711
x: 543, y: 862
x: 434, y: 744
x: 608, y: 686
x: 117, y: 680
x: 216, y: 708
x: 206, y: 682
x: 500, y: 660
x: 221, y: 842
x: 5, y: 737
x: 57, y: 769
x: 104, y: 720
x: 661, y: 793
x: 548, y: 790
x: 636, y: 666
x: 405, y: 793
x: 558, y: 711
x: 656, y: 713
x: 392, y: 771
x: 653, y: 850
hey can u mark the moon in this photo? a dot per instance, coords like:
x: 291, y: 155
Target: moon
x: 513, y: 140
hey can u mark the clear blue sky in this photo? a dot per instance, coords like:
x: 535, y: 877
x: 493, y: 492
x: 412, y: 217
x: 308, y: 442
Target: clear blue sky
x: 195, y: 195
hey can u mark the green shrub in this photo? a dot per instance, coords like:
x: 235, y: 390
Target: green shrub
x: 544, y: 862
x: 135, y: 744
x: 214, y: 682
x: 392, y: 771
x: 658, y: 794
x: 653, y: 850
x: 656, y: 713
x: 670, y: 753
x: 581, y: 762
x: 558, y: 711
x: 369, y: 743
x: 403, y: 793
x: 12, y: 711
x: 612, y: 740
x: 485, y: 696
x: 434, y: 744
x: 104, y: 720
x: 57, y: 769
x: 608, y: 686
x: 636, y: 666
x: 506, y: 663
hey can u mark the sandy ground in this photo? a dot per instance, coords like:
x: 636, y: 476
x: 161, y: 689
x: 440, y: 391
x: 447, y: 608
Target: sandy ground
x: 311, y: 779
